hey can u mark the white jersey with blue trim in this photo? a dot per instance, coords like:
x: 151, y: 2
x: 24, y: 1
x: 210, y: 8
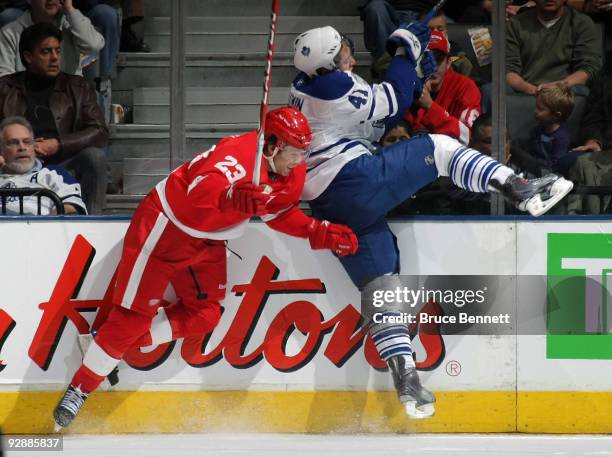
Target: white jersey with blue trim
x: 44, y: 178
x: 345, y: 114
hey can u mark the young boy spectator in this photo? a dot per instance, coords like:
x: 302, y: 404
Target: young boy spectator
x: 20, y: 169
x: 551, y: 138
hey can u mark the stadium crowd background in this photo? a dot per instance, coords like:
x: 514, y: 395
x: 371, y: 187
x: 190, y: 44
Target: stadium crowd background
x: 557, y: 78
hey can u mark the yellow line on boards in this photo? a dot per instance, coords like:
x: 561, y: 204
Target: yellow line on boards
x: 312, y: 412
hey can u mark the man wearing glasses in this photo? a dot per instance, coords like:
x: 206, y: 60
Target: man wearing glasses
x: 20, y: 169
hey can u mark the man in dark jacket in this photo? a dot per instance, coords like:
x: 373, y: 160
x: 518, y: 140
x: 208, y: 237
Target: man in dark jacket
x: 68, y: 124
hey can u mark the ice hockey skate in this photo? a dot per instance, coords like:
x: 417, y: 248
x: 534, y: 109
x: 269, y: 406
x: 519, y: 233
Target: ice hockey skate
x: 417, y: 400
x: 68, y: 407
x: 535, y: 196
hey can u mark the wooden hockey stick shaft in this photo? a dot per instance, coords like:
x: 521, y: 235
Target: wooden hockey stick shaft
x: 266, y: 93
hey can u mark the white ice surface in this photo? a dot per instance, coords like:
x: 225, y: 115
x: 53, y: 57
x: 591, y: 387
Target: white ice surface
x: 274, y: 445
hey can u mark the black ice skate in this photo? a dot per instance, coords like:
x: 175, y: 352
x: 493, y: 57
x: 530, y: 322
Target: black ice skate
x: 68, y: 407
x: 536, y: 196
x: 417, y: 400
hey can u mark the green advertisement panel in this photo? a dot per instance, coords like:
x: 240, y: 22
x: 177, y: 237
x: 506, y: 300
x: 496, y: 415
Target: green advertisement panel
x: 579, y: 322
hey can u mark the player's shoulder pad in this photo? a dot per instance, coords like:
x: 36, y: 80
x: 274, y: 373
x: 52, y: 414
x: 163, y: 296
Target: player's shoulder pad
x: 330, y: 86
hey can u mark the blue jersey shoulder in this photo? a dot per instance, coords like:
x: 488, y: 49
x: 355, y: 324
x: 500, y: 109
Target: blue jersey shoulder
x: 65, y: 174
x: 330, y: 86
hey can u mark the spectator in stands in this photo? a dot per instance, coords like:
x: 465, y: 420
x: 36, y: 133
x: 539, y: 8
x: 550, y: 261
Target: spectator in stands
x: 450, y: 102
x: 104, y: 17
x: 459, y: 60
x: 596, y: 125
x: 12, y: 10
x: 62, y: 109
x: 438, y: 22
x: 401, y: 131
x: 601, y: 12
x: 517, y: 6
x: 20, y: 169
x: 551, y: 138
x: 78, y: 34
x: 591, y: 169
x: 381, y: 17
x: 594, y: 166
x: 548, y: 44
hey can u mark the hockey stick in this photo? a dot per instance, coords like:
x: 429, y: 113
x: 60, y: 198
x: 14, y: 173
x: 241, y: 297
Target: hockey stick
x: 266, y: 94
x: 429, y: 16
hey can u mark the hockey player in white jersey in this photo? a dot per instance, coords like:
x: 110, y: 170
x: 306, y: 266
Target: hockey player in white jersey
x: 346, y: 183
x: 19, y: 169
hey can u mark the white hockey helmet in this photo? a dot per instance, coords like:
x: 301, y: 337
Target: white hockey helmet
x: 316, y: 48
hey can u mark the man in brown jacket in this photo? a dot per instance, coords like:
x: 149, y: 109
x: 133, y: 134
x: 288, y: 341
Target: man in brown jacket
x: 68, y: 124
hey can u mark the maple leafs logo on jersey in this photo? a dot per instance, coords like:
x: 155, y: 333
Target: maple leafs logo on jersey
x: 305, y: 51
x: 10, y: 185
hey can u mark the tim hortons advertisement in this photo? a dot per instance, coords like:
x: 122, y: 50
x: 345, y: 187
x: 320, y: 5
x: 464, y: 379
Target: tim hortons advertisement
x: 291, y: 319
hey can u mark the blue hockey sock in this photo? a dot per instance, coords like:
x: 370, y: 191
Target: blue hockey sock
x: 391, y: 339
x: 471, y: 170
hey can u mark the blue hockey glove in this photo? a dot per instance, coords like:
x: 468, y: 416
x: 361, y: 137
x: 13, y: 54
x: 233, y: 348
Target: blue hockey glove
x: 426, y: 66
x: 418, y: 90
x: 412, y: 38
x: 419, y: 30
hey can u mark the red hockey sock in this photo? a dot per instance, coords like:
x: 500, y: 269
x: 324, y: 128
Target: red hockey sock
x: 86, y: 380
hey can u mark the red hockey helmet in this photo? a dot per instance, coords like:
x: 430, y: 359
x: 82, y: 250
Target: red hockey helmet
x: 289, y: 126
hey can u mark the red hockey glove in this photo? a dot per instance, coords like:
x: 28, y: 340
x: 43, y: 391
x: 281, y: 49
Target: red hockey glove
x: 244, y: 197
x: 338, y: 238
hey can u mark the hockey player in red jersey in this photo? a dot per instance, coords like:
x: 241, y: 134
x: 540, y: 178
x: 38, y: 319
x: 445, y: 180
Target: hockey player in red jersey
x: 450, y: 102
x: 177, y: 236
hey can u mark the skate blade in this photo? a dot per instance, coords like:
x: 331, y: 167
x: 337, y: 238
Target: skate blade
x: 57, y: 428
x: 559, y: 189
x: 419, y: 412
